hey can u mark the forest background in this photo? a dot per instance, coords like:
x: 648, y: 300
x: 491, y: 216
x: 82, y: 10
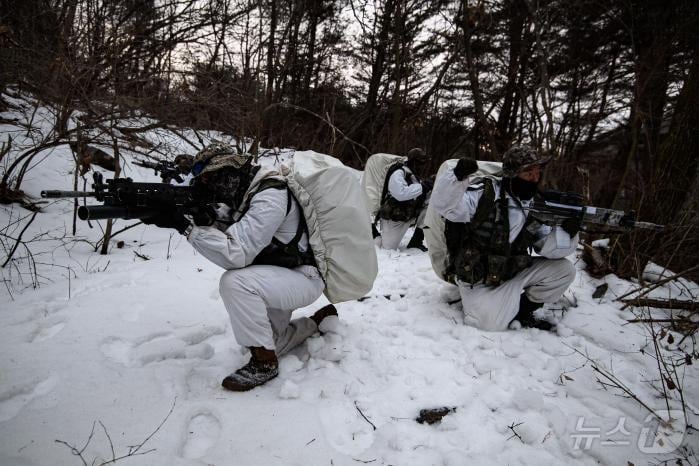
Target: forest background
x: 609, y: 88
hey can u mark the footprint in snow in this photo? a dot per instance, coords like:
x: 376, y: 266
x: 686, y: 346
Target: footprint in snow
x: 345, y: 428
x: 46, y: 330
x: 126, y: 279
x: 203, y: 430
x: 156, y: 347
x: 132, y: 313
x: 40, y: 312
x: 18, y: 396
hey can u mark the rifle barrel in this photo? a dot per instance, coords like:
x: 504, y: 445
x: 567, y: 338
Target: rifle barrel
x: 103, y: 212
x: 648, y: 226
x: 55, y: 194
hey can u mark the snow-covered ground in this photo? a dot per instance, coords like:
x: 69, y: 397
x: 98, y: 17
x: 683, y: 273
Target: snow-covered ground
x: 108, y: 348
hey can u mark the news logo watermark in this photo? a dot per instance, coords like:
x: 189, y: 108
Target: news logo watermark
x: 653, y: 436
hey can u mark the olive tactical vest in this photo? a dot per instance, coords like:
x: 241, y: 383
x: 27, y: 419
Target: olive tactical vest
x: 399, y: 211
x: 480, y: 251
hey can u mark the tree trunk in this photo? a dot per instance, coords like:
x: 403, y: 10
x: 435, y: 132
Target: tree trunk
x: 671, y: 181
x: 481, y: 124
x: 652, y: 48
x: 270, y: 51
x: 517, y: 12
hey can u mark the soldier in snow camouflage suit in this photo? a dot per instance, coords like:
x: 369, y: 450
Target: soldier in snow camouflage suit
x: 258, y: 235
x: 490, y: 236
x: 403, y: 202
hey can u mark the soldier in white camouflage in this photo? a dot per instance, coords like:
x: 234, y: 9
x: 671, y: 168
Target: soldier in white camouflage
x: 403, y: 202
x: 258, y: 235
x: 490, y: 237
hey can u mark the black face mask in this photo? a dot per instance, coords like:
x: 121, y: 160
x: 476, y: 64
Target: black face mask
x: 417, y: 166
x: 521, y: 189
x: 229, y: 185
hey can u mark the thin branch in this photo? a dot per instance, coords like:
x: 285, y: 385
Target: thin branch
x: 658, y: 284
x: 615, y: 382
x: 19, y: 240
x: 365, y: 418
x: 335, y: 128
x: 662, y: 303
x: 514, y: 432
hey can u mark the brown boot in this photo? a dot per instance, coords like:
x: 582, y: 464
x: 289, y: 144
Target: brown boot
x: 322, y: 313
x: 262, y: 367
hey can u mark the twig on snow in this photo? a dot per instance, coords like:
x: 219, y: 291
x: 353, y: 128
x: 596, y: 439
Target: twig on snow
x: 19, y: 240
x: 365, y: 418
x: 613, y: 381
x: 133, y: 450
x: 656, y: 285
x: 514, y: 432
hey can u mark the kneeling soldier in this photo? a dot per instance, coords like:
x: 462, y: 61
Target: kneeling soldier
x: 489, y: 236
x: 259, y: 236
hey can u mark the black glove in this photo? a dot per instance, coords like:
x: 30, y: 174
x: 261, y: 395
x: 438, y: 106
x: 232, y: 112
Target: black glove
x: 465, y: 167
x: 205, y: 217
x: 571, y: 226
x: 427, y: 185
x: 168, y: 219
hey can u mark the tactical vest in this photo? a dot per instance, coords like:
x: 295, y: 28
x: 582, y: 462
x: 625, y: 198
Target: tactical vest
x: 277, y: 253
x: 398, y: 211
x: 480, y: 251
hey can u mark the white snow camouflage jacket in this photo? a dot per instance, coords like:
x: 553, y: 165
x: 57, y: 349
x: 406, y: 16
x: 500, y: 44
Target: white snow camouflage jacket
x: 453, y: 201
x: 266, y: 218
x: 399, y: 189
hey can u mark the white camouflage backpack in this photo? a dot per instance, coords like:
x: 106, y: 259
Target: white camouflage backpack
x: 434, y: 223
x: 374, y: 178
x: 337, y: 218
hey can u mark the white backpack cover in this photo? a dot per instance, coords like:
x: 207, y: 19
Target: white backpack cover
x: 374, y: 177
x: 338, y: 224
x: 434, y: 223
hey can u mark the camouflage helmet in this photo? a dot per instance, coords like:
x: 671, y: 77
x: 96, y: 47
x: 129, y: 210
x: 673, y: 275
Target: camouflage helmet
x: 216, y: 156
x: 521, y: 157
x: 418, y: 154
x: 184, y: 162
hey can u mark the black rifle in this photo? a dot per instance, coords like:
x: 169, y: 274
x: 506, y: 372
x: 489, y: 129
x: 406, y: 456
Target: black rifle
x: 166, y: 170
x: 553, y: 207
x: 126, y: 199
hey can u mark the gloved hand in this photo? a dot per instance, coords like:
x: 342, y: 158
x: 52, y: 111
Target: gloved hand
x: 571, y: 226
x: 168, y: 219
x: 205, y: 217
x: 427, y: 185
x: 465, y: 167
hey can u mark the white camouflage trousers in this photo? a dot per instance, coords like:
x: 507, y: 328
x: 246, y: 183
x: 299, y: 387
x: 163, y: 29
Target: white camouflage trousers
x: 392, y: 232
x: 493, y: 309
x: 260, y: 299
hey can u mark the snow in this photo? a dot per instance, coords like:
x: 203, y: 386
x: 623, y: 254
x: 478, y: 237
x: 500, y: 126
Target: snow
x: 114, y: 343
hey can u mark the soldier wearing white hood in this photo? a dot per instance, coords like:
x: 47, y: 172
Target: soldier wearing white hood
x: 489, y: 236
x: 403, y: 202
x: 260, y: 238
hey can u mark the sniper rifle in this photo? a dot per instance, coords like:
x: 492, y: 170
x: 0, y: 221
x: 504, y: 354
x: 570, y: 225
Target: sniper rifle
x: 123, y: 198
x: 553, y: 207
